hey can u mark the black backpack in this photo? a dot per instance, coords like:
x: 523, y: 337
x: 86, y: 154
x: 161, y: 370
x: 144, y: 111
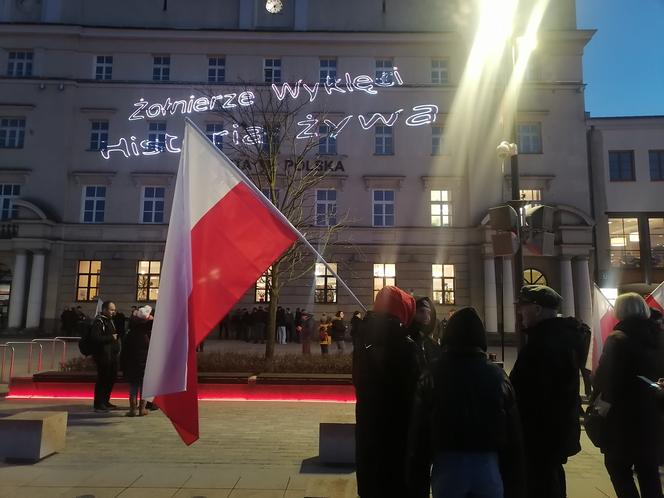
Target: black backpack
x: 87, y: 345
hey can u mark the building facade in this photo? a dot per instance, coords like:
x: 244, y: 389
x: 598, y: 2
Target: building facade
x: 85, y: 214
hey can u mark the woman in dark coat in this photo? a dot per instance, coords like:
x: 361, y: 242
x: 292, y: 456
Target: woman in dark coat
x: 136, y: 346
x: 633, y: 419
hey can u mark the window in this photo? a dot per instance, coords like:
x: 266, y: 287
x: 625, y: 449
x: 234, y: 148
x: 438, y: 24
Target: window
x: 263, y: 284
x: 326, y: 284
x: 384, y: 274
x: 87, y: 280
x: 656, y: 159
x: 161, y: 68
x: 328, y: 70
x: 157, y: 135
x: 326, y: 207
x: 8, y: 192
x: 621, y: 166
x: 211, y: 129
x: 104, y: 67
x: 440, y: 208
x: 271, y: 139
x: 20, y: 63
x: 383, y: 208
x: 384, y: 71
x: 147, y: 280
x: 272, y: 70
x: 531, y: 194
x: 94, y: 204
x: 531, y: 276
x: 152, y: 205
x: 12, y: 133
x: 216, y: 69
x: 436, y: 140
x: 98, y: 135
x: 327, y: 145
x: 384, y: 141
x: 624, y: 241
x: 656, y: 230
x: 443, y: 283
x: 529, y: 138
x: 438, y: 71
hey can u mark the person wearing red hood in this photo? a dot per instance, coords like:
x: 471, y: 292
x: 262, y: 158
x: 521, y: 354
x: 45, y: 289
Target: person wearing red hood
x: 384, y: 374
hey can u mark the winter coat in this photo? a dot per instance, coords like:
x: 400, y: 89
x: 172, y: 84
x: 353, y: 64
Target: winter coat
x: 634, y: 419
x: 546, y: 381
x: 338, y: 330
x: 101, y: 334
x: 135, y: 350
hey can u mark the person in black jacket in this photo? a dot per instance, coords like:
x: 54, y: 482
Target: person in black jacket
x: 465, y: 421
x: 633, y: 418
x: 135, y: 349
x: 107, y: 348
x: 422, y: 330
x: 546, y: 382
x: 338, y: 331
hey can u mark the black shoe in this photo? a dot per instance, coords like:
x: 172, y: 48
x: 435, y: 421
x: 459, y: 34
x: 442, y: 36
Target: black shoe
x: 111, y: 406
x: 100, y: 409
x: 151, y: 406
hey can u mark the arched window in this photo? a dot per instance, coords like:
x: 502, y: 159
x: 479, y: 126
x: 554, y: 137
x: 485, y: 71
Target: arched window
x: 533, y: 276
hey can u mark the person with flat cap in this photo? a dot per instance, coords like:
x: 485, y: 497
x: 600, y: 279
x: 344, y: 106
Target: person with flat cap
x: 546, y: 382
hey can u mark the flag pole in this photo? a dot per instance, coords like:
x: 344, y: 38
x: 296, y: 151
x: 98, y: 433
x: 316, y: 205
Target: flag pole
x: 278, y: 214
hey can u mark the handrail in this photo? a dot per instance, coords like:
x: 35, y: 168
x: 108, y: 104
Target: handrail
x: 64, y: 339
x: 53, y: 341
x: 30, y: 344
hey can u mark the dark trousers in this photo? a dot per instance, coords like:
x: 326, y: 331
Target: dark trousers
x: 546, y: 480
x: 621, y: 471
x: 107, y: 373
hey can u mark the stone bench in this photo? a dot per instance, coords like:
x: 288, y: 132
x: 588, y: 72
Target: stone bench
x: 336, y: 441
x: 31, y: 436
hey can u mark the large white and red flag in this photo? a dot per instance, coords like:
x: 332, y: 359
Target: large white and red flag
x: 603, y: 323
x: 656, y: 298
x: 222, y: 236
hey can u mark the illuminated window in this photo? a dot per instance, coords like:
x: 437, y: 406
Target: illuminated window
x: 656, y: 230
x: 529, y: 138
x: 216, y: 69
x: 440, y: 208
x: 94, y: 204
x: 98, y: 135
x: 384, y: 140
x: 12, y: 133
x: 262, y: 289
x: 532, y: 194
x: 152, y: 204
x: 384, y: 71
x: 621, y: 166
x: 157, y: 135
x: 384, y: 274
x: 327, y: 145
x: 326, y: 207
x: 656, y: 160
x: 531, y: 276
x: 161, y: 68
x: 383, y: 208
x: 8, y: 192
x: 19, y: 63
x: 327, y: 71
x: 272, y: 70
x: 438, y: 71
x: 147, y: 280
x: 624, y: 241
x: 217, y: 140
x: 326, y: 284
x: 87, y: 280
x: 104, y: 67
x: 436, y: 140
x: 443, y: 284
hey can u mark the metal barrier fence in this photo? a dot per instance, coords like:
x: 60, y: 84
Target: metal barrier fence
x: 12, y: 345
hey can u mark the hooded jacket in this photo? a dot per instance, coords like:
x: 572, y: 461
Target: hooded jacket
x: 428, y: 351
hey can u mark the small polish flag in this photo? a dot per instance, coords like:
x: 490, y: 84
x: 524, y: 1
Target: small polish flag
x: 222, y: 236
x: 656, y: 298
x: 603, y: 323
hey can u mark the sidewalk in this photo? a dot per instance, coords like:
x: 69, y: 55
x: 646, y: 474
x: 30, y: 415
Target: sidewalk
x: 247, y: 449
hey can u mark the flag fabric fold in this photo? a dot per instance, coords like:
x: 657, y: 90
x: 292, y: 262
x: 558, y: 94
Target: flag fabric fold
x: 656, y: 298
x: 603, y: 323
x: 222, y: 237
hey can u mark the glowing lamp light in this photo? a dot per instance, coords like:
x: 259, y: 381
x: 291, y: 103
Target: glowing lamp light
x: 618, y: 242
x: 610, y: 293
x: 634, y: 237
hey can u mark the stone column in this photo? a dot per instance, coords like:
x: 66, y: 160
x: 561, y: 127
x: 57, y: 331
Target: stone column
x: 583, y: 289
x: 490, y: 302
x: 509, y: 320
x: 36, y: 292
x: 566, y: 286
x: 17, y: 293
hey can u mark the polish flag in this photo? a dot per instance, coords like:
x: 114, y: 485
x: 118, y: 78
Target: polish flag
x: 222, y: 236
x: 656, y: 298
x: 603, y: 323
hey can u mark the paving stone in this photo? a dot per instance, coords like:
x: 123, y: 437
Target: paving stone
x: 148, y: 493
x: 203, y: 493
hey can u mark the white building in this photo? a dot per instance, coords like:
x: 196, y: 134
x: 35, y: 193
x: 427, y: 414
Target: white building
x: 77, y: 225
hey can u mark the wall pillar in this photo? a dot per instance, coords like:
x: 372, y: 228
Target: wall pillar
x: 490, y: 301
x: 583, y: 290
x: 36, y: 292
x: 509, y: 320
x: 17, y: 293
x: 566, y: 286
